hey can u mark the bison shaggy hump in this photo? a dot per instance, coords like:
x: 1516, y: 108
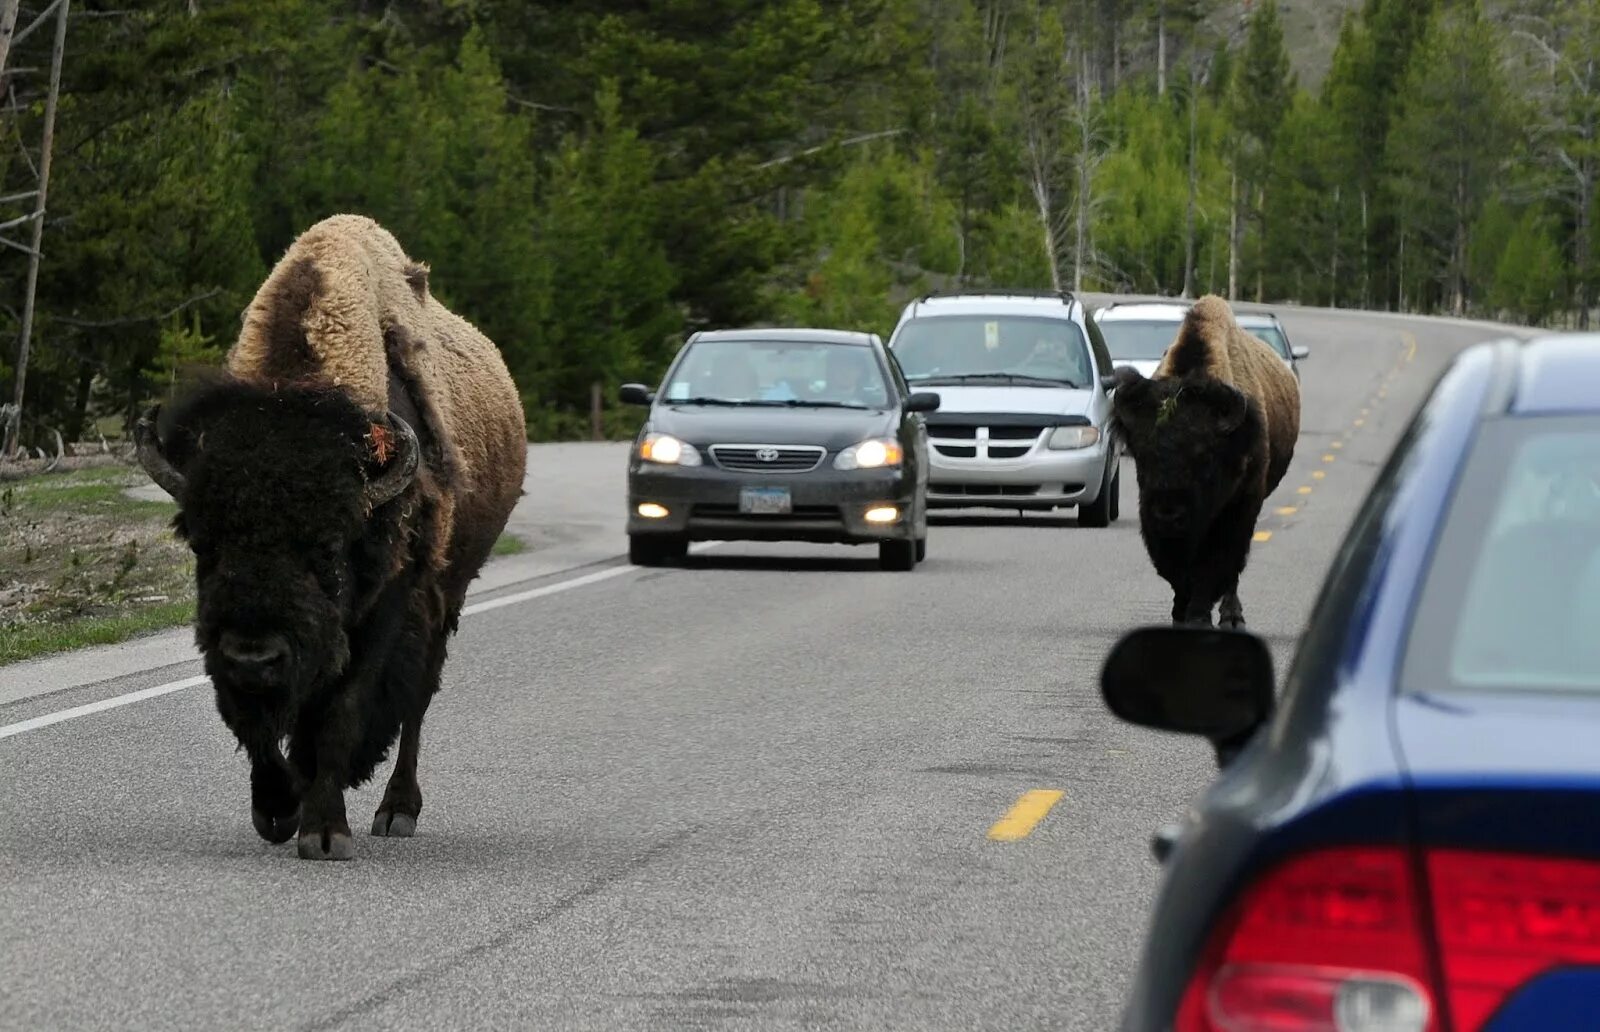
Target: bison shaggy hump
x: 1211, y: 434
x: 341, y: 482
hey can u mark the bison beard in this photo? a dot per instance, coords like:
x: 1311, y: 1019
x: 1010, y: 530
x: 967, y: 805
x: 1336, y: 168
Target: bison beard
x: 321, y: 621
x: 1207, y: 453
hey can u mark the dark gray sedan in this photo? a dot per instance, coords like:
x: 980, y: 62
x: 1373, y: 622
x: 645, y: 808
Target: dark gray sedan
x: 780, y: 435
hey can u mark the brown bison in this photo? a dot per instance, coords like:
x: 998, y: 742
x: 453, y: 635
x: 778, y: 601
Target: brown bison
x: 340, y: 483
x: 1211, y: 435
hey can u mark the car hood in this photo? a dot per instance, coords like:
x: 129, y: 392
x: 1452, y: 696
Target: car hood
x: 1048, y: 401
x: 833, y: 429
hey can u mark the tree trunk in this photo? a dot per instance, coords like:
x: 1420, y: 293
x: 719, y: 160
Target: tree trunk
x: 1085, y: 179
x: 1161, y: 49
x: 1458, y: 278
x: 1261, y: 258
x: 1333, y: 250
x: 1583, y: 243
x: 45, y: 149
x: 8, y: 28
x: 596, y: 412
x: 80, y: 403
x: 1366, y: 262
x: 1194, y: 187
x: 1233, y: 237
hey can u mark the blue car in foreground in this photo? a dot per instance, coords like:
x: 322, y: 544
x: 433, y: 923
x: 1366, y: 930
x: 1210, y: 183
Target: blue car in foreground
x: 1407, y: 839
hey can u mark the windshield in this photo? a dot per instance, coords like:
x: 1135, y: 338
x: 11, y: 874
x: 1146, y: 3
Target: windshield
x: 1138, y: 340
x: 992, y: 347
x: 1271, y: 335
x: 763, y: 372
x: 1513, y: 598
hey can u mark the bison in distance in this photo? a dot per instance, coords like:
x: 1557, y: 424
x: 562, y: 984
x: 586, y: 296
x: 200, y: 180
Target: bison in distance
x: 1211, y: 434
x: 340, y: 484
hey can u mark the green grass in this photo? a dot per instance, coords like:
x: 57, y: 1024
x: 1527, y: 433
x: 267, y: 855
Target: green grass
x: 85, y: 564
x: 509, y: 544
x: 35, y: 640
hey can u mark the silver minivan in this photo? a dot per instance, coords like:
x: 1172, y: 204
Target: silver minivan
x: 1024, y: 381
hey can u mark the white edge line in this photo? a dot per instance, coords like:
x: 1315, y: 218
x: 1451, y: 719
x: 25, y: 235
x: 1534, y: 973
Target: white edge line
x: 34, y: 723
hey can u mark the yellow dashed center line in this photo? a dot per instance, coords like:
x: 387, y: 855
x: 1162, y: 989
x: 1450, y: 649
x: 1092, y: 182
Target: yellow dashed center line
x: 1336, y: 445
x: 1361, y: 422
x: 1327, y: 458
x: 1025, y: 815
x: 1262, y: 535
x: 1318, y: 475
x: 1287, y: 510
x: 1303, y: 490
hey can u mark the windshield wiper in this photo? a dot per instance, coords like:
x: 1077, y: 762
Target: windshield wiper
x: 1018, y: 379
x: 729, y: 402
x: 806, y: 403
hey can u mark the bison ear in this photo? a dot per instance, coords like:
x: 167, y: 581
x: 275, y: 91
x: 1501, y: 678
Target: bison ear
x: 1231, y: 409
x: 1133, y: 408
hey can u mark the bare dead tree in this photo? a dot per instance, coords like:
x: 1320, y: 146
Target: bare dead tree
x: 14, y: 425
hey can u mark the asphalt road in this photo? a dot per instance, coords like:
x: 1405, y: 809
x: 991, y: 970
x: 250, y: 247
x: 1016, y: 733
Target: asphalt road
x: 753, y: 793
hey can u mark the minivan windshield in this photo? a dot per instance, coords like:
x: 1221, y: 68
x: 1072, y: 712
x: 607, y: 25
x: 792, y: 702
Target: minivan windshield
x: 1512, y: 599
x: 1138, y: 340
x: 1001, y: 349
x: 778, y: 373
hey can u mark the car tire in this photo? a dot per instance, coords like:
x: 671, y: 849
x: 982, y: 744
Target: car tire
x: 1116, y: 493
x: 656, y: 549
x: 1099, y: 513
x: 897, y: 555
x: 922, y: 549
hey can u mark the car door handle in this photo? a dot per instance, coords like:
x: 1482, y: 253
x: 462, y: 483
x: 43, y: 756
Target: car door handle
x: 1165, y: 840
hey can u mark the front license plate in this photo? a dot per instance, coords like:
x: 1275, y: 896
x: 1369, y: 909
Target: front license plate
x: 764, y: 501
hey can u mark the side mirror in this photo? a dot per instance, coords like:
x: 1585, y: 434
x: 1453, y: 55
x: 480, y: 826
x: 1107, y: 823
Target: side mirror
x: 922, y: 401
x: 635, y: 394
x: 1300, y: 352
x: 1217, y: 684
x: 1108, y: 383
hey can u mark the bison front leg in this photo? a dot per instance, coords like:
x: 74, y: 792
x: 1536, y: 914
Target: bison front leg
x: 402, y: 800
x: 274, y: 804
x: 322, y: 753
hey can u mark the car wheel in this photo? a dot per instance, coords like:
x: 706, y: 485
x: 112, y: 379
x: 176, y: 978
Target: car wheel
x: 1098, y: 513
x: 922, y: 549
x: 897, y: 555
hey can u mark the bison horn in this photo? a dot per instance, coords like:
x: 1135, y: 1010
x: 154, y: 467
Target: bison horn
x: 402, y: 467
x: 147, y: 446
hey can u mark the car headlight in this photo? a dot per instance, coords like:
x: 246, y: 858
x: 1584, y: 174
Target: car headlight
x: 874, y: 453
x: 666, y: 450
x: 1067, y: 438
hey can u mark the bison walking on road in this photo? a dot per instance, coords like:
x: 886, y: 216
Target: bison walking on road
x: 1211, y: 435
x: 340, y: 484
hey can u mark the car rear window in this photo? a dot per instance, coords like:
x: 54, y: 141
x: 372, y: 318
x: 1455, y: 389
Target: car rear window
x: 930, y: 347
x: 1512, y: 598
x: 1138, y: 340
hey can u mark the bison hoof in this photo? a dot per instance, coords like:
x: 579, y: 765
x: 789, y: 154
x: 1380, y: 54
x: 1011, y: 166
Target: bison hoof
x: 394, y: 825
x: 1232, y: 623
x: 327, y: 845
x: 275, y: 829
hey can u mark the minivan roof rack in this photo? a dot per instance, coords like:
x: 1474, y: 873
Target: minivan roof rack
x: 1066, y: 296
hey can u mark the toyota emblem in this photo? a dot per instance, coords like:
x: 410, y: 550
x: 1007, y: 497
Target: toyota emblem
x: 767, y: 454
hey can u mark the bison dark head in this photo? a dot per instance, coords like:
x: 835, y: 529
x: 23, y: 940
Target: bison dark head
x: 280, y: 494
x: 1192, y: 442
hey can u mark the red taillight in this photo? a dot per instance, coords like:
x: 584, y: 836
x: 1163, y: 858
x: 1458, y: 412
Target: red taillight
x: 1501, y: 920
x: 1326, y: 942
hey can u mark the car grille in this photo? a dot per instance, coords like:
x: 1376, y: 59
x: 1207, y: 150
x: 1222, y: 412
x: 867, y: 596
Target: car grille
x: 756, y: 458
x: 1008, y: 453
x: 957, y: 451
x: 985, y: 490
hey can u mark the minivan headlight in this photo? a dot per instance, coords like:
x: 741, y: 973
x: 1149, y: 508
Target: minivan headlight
x: 666, y: 450
x: 1067, y: 438
x: 873, y: 453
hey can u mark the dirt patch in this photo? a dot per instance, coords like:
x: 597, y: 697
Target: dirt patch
x: 83, y: 563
